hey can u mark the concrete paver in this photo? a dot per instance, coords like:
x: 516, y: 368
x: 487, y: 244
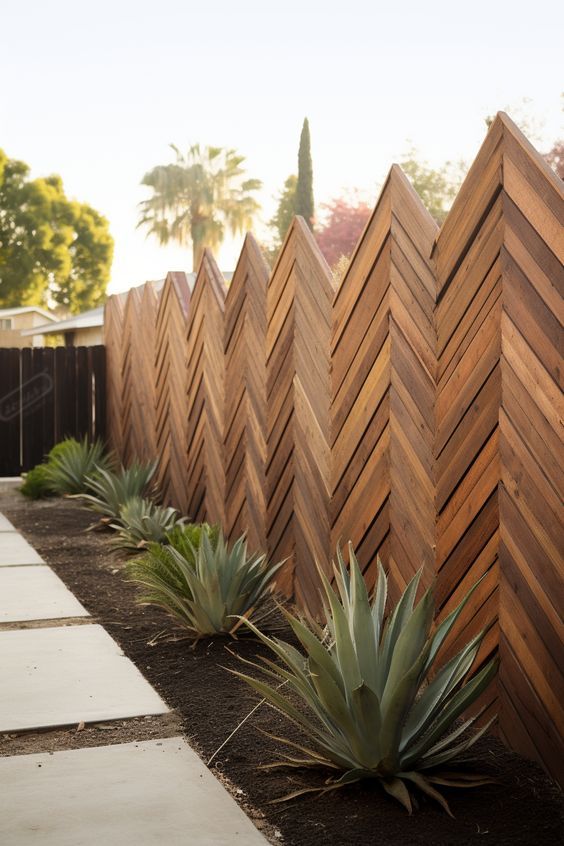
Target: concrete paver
x: 64, y: 675
x: 16, y: 551
x: 35, y: 593
x: 133, y: 794
x: 5, y: 525
x: 151, y: 793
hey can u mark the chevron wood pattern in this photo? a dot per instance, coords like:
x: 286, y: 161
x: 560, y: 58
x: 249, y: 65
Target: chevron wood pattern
x: 146, y: 337
x: 499, y: 431
x: 300, y: 293
x: 113, y: 322
x: 133, y: 378
x: 170, y: 402
x: 383, y: 382
x: 531, y: 492
x: 417, y: 411
x: 204, y: 396
x: 245, y: 398
x: 138, y: 375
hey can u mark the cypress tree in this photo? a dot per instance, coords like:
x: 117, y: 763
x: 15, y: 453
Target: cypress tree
x: 304, y: 188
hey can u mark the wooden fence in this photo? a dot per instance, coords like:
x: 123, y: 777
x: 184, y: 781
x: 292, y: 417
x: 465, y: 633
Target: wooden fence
x: 415, y: 410
x: 47, y: 394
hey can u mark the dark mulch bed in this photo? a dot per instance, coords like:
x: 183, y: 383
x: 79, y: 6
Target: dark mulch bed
x: 524, y: 808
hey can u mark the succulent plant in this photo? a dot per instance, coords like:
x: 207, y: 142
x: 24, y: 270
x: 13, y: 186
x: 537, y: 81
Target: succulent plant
x: 72, y: 463
x: 109, y: 491
x: 140, y: 521
x: 207, y: 586
x: 376, y: 704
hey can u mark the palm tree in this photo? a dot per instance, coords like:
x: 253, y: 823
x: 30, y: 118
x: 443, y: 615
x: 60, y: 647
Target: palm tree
x: 197, y: 197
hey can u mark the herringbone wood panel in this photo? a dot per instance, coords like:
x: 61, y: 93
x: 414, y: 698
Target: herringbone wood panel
x: 113, y: 341
x: 499, y: 431
x: 138, y: 375
x: 383, y: 382
x: 300, y: 294
x: 170, y: 377
x: 204, y: 396
x: 245, y: 398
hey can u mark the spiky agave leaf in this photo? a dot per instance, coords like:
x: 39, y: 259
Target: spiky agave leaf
x: 207, y: 585
x: 71, y: 463
x: 111, y: 491
x: 376, y: 707
x: 140, y: 521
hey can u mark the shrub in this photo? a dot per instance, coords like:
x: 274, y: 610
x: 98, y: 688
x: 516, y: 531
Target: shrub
x: 378, y: 707
x: 71, y: 463
x: 37, y: 483
x: 186, y: 537
x: 141, y: 521
x: 111, y: 491
x: 207, y: 587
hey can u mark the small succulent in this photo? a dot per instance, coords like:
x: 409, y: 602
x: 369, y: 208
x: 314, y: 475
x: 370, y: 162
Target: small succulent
x: 72, y: 463
x: 377, y: 707
x: 207, y: 586
x: 36, y: 483
x: 109, y: 491
x: 140, y: 521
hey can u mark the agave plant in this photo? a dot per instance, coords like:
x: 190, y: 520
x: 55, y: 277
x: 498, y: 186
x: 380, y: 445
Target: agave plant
x: 208, y: 587
x: 111, y: 491
x: 377, y: 705
x: 140, y: 521
x: 72, y: 463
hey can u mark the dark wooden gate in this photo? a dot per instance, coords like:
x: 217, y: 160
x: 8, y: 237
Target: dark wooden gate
x: 47, y: 394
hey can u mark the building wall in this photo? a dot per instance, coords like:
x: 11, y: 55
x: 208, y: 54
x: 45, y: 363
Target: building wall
x: 88, y: 337
x: 13, y: 338
x: 20, y: 322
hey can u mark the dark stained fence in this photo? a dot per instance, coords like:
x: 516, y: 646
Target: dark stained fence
x: 47, y: 394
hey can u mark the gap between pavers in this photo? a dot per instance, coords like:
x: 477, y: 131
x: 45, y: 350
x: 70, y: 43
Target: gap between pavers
x: 35, y: 593
x: 134, y: 794
x: 15, y: 551
x: 66, y: 675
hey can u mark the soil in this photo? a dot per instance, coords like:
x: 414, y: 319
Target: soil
x: 524, y: 807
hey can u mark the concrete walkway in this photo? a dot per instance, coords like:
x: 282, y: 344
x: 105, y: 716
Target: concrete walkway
x: 65, y: 671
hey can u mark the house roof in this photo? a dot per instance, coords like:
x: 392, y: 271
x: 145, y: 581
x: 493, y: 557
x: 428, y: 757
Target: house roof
x: 10, y: 312
x: 87, y: 320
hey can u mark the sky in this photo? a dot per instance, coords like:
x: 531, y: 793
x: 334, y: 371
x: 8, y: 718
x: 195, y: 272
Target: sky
x: 97, y: 91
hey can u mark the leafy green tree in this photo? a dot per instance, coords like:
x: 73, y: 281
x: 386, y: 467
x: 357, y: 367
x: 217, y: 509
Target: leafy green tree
x: 52, y: 250
x: 304, y: 204
x: 196, y: 197
x: 437, y: 188
x: 285, y: 211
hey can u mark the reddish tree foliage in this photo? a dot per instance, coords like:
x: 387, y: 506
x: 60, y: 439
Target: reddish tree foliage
x: 343, y: 227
